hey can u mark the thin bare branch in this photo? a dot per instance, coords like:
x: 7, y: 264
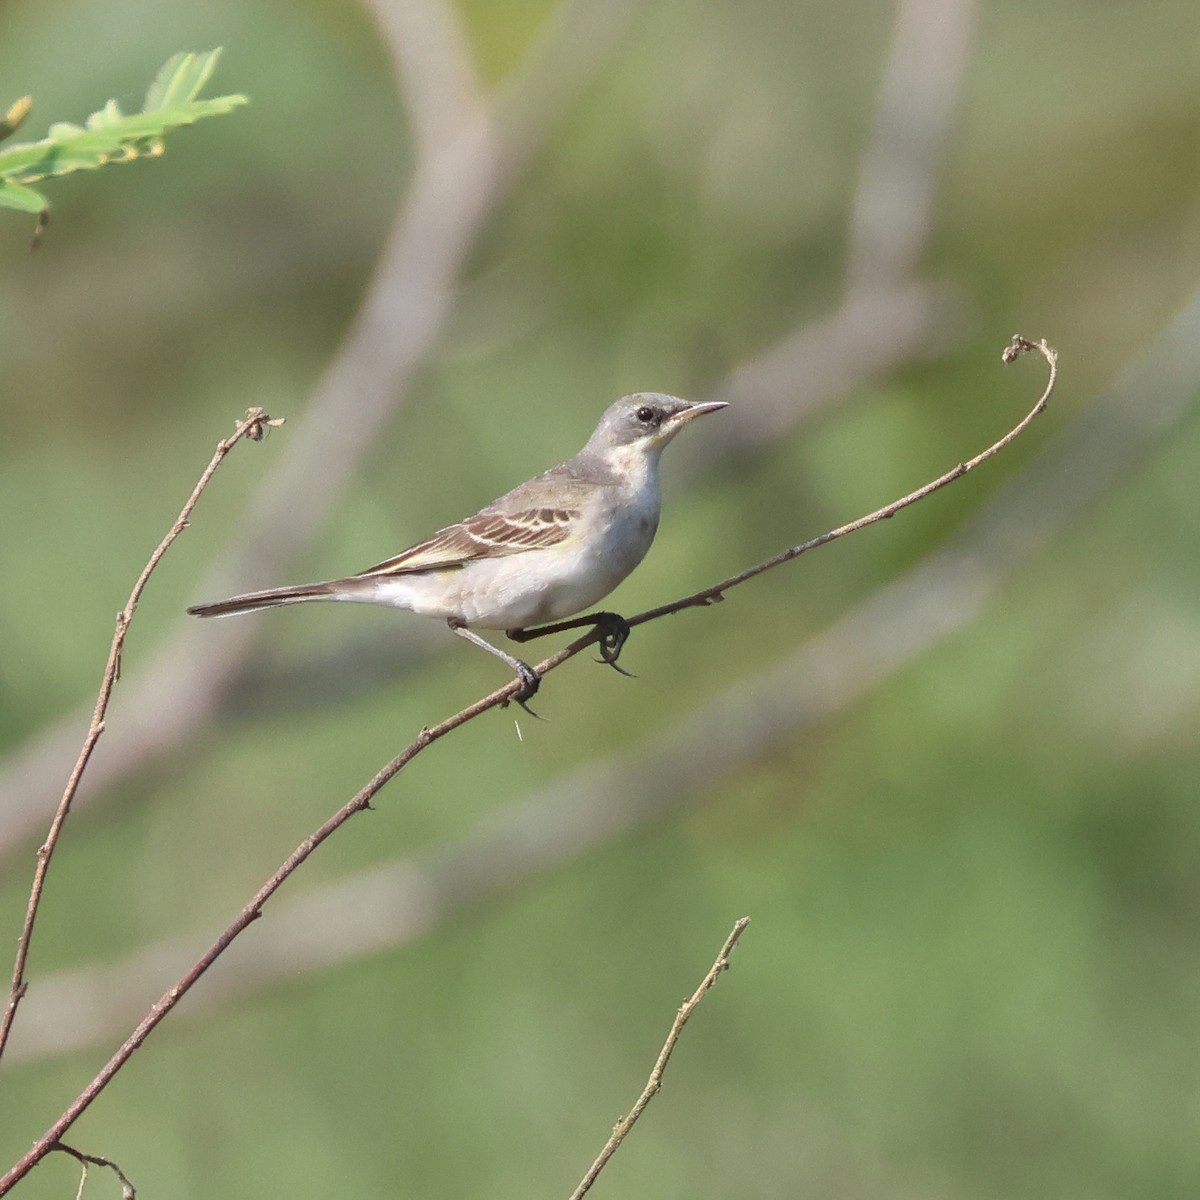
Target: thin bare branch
x: 362, y: 799
x: 654, y: 1083
x: 253, y: 427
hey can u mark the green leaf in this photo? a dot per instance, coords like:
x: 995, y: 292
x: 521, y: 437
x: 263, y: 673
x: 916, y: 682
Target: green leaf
x: 111, y: 136
x: 25, y: 199
x: 180, y: 79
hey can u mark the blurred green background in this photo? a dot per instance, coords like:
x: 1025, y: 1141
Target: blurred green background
x: 969, y: 845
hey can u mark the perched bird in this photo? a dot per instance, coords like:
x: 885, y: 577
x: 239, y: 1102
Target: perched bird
x: 548, y: 549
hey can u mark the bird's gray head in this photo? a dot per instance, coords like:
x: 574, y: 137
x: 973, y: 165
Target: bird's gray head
x: 646, y: 421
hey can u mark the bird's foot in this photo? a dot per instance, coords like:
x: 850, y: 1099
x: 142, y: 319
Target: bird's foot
x: 530, y: 682
x: 614, y: 633
x: 613, y: 629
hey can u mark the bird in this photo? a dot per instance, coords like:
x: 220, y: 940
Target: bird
x: 550, y: 548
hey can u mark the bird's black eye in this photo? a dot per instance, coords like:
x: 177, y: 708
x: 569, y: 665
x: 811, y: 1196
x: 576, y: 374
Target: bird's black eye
x: 646, y: 414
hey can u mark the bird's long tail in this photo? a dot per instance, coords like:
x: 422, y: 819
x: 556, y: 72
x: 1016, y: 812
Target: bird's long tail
x: 272, y: 598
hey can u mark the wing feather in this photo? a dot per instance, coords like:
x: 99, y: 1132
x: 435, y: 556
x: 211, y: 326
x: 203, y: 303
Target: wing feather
x: 488, y: 534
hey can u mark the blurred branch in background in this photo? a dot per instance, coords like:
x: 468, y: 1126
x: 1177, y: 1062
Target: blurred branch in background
x: 893, y: 210
x: 470, y: 150
x: 888, y: 315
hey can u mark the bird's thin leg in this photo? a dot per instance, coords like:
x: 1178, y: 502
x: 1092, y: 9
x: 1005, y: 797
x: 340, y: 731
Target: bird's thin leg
x: 614, y: 630
x: 530, y: 679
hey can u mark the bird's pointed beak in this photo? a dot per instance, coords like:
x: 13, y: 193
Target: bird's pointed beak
x: 697, y: 410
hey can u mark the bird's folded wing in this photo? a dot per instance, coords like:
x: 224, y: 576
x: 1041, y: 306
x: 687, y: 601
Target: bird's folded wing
x: 488, y: 534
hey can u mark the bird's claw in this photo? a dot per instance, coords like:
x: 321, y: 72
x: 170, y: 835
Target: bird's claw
x: 530, y: 682
x: 614, y: 633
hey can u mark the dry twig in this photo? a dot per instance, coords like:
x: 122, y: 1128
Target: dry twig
x: 128, y: 1191
x: 253, y: 426
x: 654, y: 1083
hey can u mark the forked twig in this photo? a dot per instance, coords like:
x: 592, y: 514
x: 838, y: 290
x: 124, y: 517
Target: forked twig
x: 654, y: 1083
x: 128, y: 1191
x: 254, y: 427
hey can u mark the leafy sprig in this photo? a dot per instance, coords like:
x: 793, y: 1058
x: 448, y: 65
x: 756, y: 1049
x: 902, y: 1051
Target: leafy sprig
x: 108, y: 135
